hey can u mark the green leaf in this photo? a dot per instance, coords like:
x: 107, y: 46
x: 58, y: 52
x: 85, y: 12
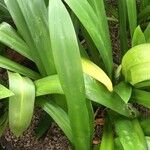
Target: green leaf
x: 94, y: 91
x: 3, y: 123
x: 144, y: 4
x: 135, y: 65
x: 122, y: 11
x: 4, y: 92
x: 140, y: 133
x: 107, y: 142
x: 36, y: 17
x: 148, y: 141
x: 141, y: 97
x: 138, y: 37
x: 144, y: 122
x: 147, y: 33
x: 118, y: 145
x: 144, y: 14
x: 129, y: 138
x: 68, y: 64
x: 21, y: 105
x: 17, y: 14
x: 10, y: 37
x: 43, y: 125
x: 13, y: 66
x: 124, y: 90
x: 96, y: 28
x: 132, y: 15
x: 56, y: 113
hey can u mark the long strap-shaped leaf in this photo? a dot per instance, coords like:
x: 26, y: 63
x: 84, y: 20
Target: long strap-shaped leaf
x: 13, y: 66
x: 94, y: 91
x: 107, y: 142
x: 68, y: 64
x: 21, y: 105
x: 4, y: 92
x: 58, y: 114
x: 95, y: 29
x: 23, y: 29
x: 122, y: 12
x: 132, y: 15
x: 36, y: 17
x: 10, y: 37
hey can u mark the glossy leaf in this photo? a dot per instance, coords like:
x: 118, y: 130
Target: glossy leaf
x: 132, y: 15
x: 141, y: 97
x: 13, y: 66
x: 4, y: 92
x: 138, y: 37
x: 97, y: 73
x: 95, y: 28
x: 36, y: 17
x: 107, y: 142
x: 23, y: 29
x: 21, y: 105
x: 68, y: 64
x: 56, y: 113
x: 128, y: 136
x: 9, y: 37
x: 94, y: 91
x: 122, y: 12
x: 124, y: 90
x: 147, y: 33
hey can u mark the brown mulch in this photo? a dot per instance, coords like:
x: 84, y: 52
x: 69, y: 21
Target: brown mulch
x: 54, y: 139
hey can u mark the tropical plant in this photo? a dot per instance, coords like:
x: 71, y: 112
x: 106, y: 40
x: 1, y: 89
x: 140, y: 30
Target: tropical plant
x: 51, y: 37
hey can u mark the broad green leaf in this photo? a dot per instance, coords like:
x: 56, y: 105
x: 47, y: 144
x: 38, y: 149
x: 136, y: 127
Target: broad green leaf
x: 9, y: 37
x: 122, y: 12
x: 147, y: 33
x: 138, y: 37
x: 135, y: 64
x: 94, y: 91
x: 18, y: 17
x: 56, y: 113
x: 4, y: 92
x: 36, y: 17
x: 132, y: 15
x: 95, y: 28
x: 21, y: 105
x: 68, y: 64
x: 107, y: 142
x: 141, y: 97
x: 124, y: 90
x: 129, y: 138
x: 13, y: 66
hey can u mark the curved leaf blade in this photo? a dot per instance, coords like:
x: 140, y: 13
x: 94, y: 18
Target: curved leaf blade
x: 68, y: 64
x: 21, y: 105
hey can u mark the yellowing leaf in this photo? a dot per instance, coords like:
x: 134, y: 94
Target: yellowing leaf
x: 97, y: 73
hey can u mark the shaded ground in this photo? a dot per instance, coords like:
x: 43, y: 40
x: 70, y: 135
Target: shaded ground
x: 54, y: 139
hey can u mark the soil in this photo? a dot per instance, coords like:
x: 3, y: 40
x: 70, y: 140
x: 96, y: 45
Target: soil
x: 53, y: 140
